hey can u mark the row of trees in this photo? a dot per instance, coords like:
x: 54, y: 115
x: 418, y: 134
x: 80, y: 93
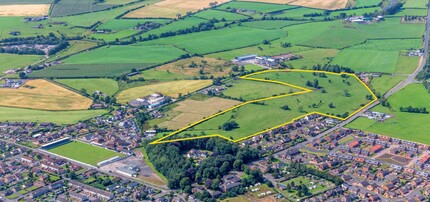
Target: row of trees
x: 411, y: 109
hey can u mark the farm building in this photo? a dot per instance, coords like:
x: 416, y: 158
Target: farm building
x: 150, y: 102
x: 245, y: 57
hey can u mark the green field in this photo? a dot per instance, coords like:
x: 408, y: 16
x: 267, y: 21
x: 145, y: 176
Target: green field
x: 220, y: 15
x: 10, y: 61
x: 110, y: 61
x: 270, y: 114
x: 302, y: 180
x: 74, y: 47
x: 390, y: 28
x: 385, y: 82
x: 361, y: 3
x: 107, y: 86
x: 416, y: 4
x: 271, y: 24
x: 85, y: 153
x: 368, y: 60
x: 59, y: 117
x: 219, y: 40
x: 73, y: 7
x: 124, y: 24
x: 407, y: 64
x: 174, y: 26
x: 408, y: 126
x: 251, y: 90
x: 297, y: 13
x: 255, y: 6
x: 413, y: 12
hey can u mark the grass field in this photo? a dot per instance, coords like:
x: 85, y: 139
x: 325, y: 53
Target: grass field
x: 368, y: 60
x: 408, y: 126
x: 107, y: 86
x: 85, y: 153
x: 270, y: 114
x: 385, y: 82
x: 42, y: 94
x: 172, y: 89
x: 190, y: 111
x: 390, y: 28
x: 415, y: 4
x: 271, y: 24
x: 10, y: 61
x: 251, y: 90
x: 75, y: 47
x: 312, y: 57
x: 390, y: 45
x: 127, y: 54
x: 174, y: 26
x: 124, y: 24
x: 30, y: 115
x: 170, y: 8
x: 24, y: 9
x: 361, y: 3
x: 407, y: 64
x: 254, y: 6
x: 306, y: 181
x: 219, y: 40
x: 220, y: 15
x: 297, y: 13
x: 185, y: 69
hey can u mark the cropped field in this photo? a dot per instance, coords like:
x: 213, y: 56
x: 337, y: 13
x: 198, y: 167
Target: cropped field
x: 172, y: 89
x: 270, y: 113
x: 73, y: 7
x: 219, y: 40
x: 107, y: 86
x: 10, y: 61
x: 185, y: 69
x: 368, y: 60
x: 24, y: 9
x: 85, y: 153
x: 190, y: 111
x: 42, y: 94
x: 170, y: 8
x: 25, y: 2
x: 407, y: 126
x: 30, y: 115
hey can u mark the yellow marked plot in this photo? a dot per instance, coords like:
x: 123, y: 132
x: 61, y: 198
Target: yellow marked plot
x: 247, y: 77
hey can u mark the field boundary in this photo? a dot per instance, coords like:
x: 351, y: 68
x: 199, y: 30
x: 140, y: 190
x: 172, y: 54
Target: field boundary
x: 303, y: 91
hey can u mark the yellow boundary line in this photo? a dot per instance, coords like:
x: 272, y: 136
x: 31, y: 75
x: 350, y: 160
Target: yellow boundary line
x: 246, y: 77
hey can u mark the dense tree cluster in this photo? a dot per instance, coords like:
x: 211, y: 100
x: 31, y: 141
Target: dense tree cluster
x: 229, y: 125
x: 332, y: 68
x: 181, y: 172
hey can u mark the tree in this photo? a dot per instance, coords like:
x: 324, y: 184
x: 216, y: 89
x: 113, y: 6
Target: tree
x: 84, y: 91
x: 224, y: 168
x: 285, y: 107
x: 237, y: 165
x: 229, y: 125
x: 22, y: 75
x: 331, y: 105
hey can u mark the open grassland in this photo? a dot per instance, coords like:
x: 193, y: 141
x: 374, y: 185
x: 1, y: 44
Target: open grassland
x: 172, y: 89
x: 408, y: 126
x: 85, y: 153
x: 24, y: 9
x: 170, y: 8
x: 368, y: 60
x: 73, y: 7
x: 270, y: 113
x: 390, y: 28
x: 107, y: 86
x: 412, y: 11
x: 362, y: 3
x: 254, y: 6
x: 42, y: 94
x: 220, y: 15
x: 251, y: 90
x: 126, y: 54
x: 384, y: 83
x: 313, y: 57
x: 190, y: 111
x: 59, y: 117
x: 188, y: 69
x: 74, y: 47
x: 415, y: 4
x: 114, y: 35
x: 10, y: 61
x: 219, y: 40
x: 271, y: 24
x: 296, y: 13
x: 390, y: 44
x: 407, y: 64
